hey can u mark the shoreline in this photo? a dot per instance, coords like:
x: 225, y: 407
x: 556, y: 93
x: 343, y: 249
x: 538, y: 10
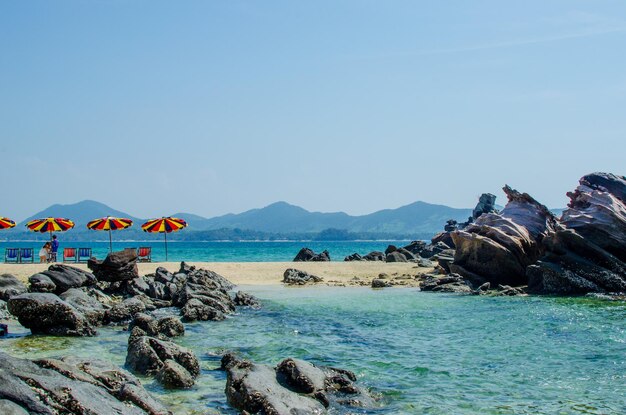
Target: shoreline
x: 339, y: 273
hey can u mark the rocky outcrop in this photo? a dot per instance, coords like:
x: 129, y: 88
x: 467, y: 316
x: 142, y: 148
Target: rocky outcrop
x: 293, y: 276
x: 172, y: 365
x: 246, y: 300
x: 589, y: 255
x: 65, y: 277
x: 453, y: 283
x: 307, y: 254
x: 498, y: 247
x: 354, y: 257
x: 293, y: 387
x: 161, y: 328
x: 71, y: 386
x: 203, y: 295
x: 395, y: 256
x: 45, y: 313
x: 124, y: 311
x: 10, y: 286
x: 380, y: 283
x: 117, y: 266
x: 374, y: 256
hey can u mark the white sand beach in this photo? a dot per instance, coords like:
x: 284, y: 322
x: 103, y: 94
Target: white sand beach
x: 268, y: 273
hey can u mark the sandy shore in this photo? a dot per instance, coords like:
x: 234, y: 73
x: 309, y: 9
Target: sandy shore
x: 267, y: 273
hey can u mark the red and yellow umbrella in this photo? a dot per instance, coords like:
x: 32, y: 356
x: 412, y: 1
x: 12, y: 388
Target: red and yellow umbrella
x: 50, y: 225
x: 164, y: 225
x: 6, y: 223
x: 109, y: 224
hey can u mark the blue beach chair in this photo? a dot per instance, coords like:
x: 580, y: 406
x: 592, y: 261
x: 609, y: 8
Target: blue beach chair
x: 26, y: 255
x: 12, y: 255
x: 83, y: 254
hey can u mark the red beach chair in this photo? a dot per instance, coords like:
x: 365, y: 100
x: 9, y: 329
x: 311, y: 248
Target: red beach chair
x: 144, y: 254
x: 69, y: 254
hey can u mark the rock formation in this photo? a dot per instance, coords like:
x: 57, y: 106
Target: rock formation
x: 71, y: 386
x: 307, y: 254
x: 589, y: 254
x: 293, y: 387
x: 293, y: 276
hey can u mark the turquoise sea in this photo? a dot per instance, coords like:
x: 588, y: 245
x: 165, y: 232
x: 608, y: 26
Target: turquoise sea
x: 422, y: 353
x: 222, y: 251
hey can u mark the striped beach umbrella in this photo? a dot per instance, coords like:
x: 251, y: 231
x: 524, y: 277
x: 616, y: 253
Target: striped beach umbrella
x: 50, y: 225
x: 109, y: 224
x: 6, y: 223
x: 164, y: 225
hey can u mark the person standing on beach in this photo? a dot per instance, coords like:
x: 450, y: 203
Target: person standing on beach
x: 54, y: 249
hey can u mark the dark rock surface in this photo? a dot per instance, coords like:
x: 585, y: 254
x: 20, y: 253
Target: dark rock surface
x: 380, y: 283
x: 117, y: 266
x: 374, y: 256
x: 415, y: 247
x: 453, y: 283
x: 433, y: 249
x: 10, y: 286
x: 293, y: 387
x: 396, y: 256
x: 162, y: 328
x: 589, y: 255
x: 246, y: 300
x: 354, y: 257
x: 125, y: 311
x: 307, y: 254
x: 40, y: 283
x: 293, y: 276
x: 65, y: 277
x: 148, y: 355
x: 45, y: 313
x: 88, y: 305
x: 4, y: 312
x: 486, y: 204
x: 71, y: 386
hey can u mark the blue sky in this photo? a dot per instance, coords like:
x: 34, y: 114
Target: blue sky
x: 211, y: 107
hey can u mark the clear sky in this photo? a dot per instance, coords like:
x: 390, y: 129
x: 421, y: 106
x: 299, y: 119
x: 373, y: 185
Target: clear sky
x: 211, y: 107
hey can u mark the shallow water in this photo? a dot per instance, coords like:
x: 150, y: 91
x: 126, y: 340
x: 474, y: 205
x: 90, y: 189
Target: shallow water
x: 421, y: 352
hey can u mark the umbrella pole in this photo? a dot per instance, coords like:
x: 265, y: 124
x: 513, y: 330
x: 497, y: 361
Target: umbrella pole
x: 165, y: 235
x: 110, y: 243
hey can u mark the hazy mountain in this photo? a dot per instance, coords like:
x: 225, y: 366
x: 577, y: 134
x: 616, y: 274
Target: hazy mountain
x: 80, y: 213
x: 281, y: 217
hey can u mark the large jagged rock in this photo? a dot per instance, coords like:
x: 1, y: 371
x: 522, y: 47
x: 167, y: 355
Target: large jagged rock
x: 117, y: 266
x: 40, y: 283
x: 590, y: 254
x: 71, y: 386
x: 374, y: 256
x: 65, y: 277
x: 162, y: 328
x: 497, y: 248
x: 45, y: 313
x: 294, y: 276
x: 124, y: 311
x: 10, y: 286
x: 293, y: 387
x: 307, y: 254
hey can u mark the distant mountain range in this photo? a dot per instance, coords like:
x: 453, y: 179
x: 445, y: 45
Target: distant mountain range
x: 419, y: 220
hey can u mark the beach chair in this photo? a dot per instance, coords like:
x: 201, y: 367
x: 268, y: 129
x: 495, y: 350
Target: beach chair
x: 83, y: 254
x: 144, y: 254
x: 69, y: 254
x: 26, y: 255
x: 12, y: 255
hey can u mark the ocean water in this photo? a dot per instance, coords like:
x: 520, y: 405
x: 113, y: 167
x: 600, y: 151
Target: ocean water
x: 421, y: 353
x: 222, y: 251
